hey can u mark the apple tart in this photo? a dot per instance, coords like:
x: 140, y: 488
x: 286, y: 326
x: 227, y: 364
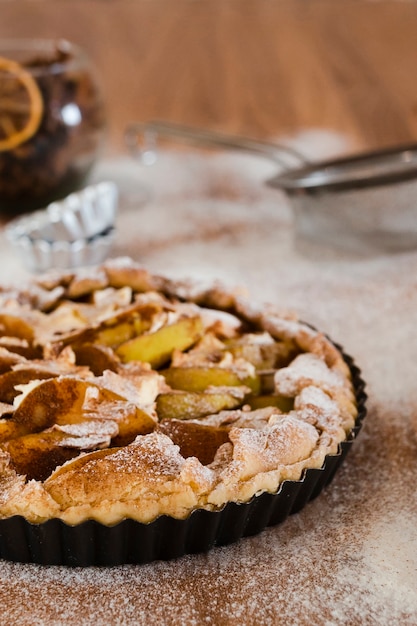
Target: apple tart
x: 127, y: 397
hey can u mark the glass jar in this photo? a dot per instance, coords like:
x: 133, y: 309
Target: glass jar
x: 52, y: 122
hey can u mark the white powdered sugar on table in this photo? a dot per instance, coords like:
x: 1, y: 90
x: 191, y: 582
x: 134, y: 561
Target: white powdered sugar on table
x: 349, y: 557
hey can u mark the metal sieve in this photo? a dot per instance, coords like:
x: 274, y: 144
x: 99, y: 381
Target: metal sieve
x: 361, y: 203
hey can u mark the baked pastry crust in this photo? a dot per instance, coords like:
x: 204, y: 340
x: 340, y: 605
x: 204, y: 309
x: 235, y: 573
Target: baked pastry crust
x: 129, y: 395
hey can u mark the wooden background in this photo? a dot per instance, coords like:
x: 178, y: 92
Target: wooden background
x: 258, y: 67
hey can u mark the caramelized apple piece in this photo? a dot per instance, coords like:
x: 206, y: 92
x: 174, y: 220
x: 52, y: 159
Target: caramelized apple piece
x: 267, y: 380
x: 79, y: 462
x: 135, y: 423
x: 259, y: 402
x: 195, y: 439
x: 114, y: 330
x: 192, y: 405
x: 9, y: 380
x: 97, y: 358
x: 262, y: 350
x: 18, y: 347
x: 125, y: 326
x: 130, y: 420
x: 51, y: 401
x: 199, y: 378
x: 8, y: 359
x: 8, y: 427
x: 62, y: 401
x: 10, y: 430
x: 56, y: 401
x: 14, y: 326
x: 37, y: 455
x: 157, y: 347
x: 113, y: 335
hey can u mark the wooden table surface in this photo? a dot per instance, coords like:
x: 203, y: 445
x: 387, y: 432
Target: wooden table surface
x: 255, y: 67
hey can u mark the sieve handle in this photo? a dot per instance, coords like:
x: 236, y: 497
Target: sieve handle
x: 142, y: 141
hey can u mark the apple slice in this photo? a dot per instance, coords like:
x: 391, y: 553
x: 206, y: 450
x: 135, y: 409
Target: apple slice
x: 98, y: 358
x: 21, y: 376
x: 192, y: 405
x: 79, y: 462
x: 14, y: 326
x: 62, y: 401
x: 262, y: 350
x: 10, y: 430
x: 195, y: 439
x: 37, y: 455
x: 157, y: 347
x: 199, y: 378
x: 259, y: 402
x: 52, y: 401
x: 112, y: 331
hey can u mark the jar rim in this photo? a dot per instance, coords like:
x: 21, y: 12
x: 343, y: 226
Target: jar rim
x: 19, y: 49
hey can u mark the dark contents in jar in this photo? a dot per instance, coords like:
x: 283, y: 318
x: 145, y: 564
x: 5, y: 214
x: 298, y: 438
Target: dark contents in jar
x: 58, y: 157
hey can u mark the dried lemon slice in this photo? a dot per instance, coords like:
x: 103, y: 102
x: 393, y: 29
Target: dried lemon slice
x: 21, y: 105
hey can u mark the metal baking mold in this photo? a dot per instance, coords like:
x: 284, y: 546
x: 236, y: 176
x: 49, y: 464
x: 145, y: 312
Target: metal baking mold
x: 78, y: 230
x: 130, y: 542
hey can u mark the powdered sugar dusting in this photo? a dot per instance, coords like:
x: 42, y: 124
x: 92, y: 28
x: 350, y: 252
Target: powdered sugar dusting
x: 348, y: 558
x: 306, y: 369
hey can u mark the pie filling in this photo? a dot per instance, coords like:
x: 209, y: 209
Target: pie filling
x: 128, y: 395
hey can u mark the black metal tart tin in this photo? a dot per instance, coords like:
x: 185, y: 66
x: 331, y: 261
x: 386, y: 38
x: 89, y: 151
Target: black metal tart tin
x: 92, y: 543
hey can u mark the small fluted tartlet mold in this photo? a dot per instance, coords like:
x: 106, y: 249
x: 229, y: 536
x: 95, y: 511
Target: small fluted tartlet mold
x: 130, y: 542
x: 78, y: 230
